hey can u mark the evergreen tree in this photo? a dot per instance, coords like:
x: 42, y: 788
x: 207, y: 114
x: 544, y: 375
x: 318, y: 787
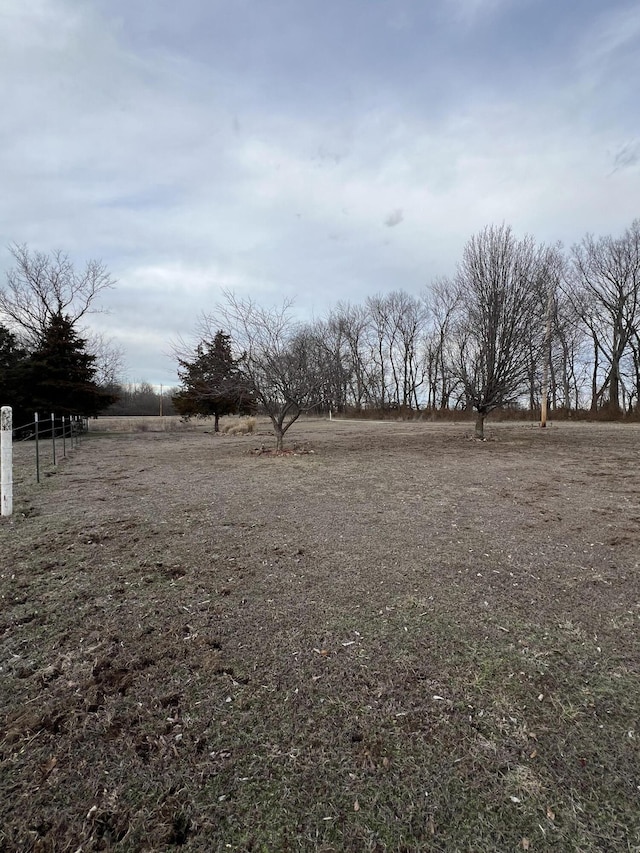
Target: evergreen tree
x: 212, y: 383
x: 12, y: 364
x: 61, y: 373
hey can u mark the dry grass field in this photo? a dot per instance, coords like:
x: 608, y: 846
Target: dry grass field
x: 395, y: 638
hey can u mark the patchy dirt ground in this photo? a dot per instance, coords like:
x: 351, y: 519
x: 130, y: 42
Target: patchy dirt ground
x: 400, y: 639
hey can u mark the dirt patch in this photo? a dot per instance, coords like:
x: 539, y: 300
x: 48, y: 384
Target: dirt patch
x: 393, y: 638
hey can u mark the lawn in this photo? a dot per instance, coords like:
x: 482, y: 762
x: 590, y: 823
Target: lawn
x: 395, y: 638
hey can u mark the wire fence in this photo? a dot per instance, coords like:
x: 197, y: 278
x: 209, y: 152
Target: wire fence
x: 41, y: 444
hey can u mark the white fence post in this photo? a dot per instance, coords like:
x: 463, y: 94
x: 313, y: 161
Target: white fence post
x: 6, y: 460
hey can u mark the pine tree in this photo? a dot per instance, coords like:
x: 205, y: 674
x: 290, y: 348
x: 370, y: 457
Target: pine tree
x: 12, y: 361
x: 212, y: 383
x: 61, y: 373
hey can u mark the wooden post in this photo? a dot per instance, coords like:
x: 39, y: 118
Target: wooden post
x: 6, y: 460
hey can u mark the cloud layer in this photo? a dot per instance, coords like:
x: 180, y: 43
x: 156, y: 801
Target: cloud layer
x: 289, y: 148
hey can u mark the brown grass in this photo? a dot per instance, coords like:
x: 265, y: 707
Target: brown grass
x: 148, y: 423
x: 406, y: 640
x: 238, y: 426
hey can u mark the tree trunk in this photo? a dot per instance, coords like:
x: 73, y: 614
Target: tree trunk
x: 594, y: 379
x: 566, y: 385
x: 480, y: 425
x: 279, y: 437
x: 553, y: 386
x: 614, y: 387
x: 216, y: 422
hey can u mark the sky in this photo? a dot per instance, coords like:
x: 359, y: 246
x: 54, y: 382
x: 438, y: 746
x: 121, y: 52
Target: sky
x: 320, y: 150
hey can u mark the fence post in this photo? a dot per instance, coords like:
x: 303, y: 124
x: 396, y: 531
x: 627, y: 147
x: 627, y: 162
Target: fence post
x: 64, y: 436
x: 37, y: 438
x: 53, y: 436
x: 6, y: 461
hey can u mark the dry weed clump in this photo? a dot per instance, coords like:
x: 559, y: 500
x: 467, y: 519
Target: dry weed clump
x: 243, y: 426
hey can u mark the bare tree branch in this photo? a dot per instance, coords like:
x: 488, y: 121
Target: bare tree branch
x: 42, y: 286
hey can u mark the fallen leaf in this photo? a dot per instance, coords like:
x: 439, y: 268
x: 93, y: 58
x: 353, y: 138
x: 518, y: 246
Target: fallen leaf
x: 525, y: 844
x: 550, y: 813
x: 356, y: 806
x: 48, y: 767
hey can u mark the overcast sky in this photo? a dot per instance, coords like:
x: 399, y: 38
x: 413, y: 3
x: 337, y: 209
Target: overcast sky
x: 316, y: 149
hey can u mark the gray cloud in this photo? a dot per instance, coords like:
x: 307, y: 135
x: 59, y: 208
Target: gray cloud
x: 201, y: 149
x: 394, y: 218
x: 626, y: 156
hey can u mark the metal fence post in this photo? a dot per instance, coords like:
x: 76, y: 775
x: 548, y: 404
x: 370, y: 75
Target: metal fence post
x: 53, y: 437
x: 37, y: 437
x: 6, y: 461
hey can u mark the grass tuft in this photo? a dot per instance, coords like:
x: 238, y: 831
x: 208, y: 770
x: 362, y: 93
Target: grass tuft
x: 243, y: 426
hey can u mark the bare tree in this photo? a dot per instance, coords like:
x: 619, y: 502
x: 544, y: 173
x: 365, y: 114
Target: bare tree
x: 407, y: 318
x: 356, y: 321
x: 40, y: 287
x: 110, y: 363
x: 380, y: 379
x: 496, y: 314
x: 604, y: 286
x: 441, y: 302
x: 278, y: 357
x: 332, y: 352
x: 543, y: 363
x: 344, y: 333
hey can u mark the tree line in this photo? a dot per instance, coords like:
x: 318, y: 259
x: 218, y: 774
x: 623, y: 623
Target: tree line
x: 141, y: 399
x: 518, y: 324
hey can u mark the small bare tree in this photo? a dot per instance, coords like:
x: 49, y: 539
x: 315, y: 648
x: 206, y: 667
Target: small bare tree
x: 279, y: 358
x: 496, y: 315
x: 40, y: 287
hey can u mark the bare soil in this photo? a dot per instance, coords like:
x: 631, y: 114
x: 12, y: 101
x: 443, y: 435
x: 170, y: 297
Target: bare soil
x: 393, y: 638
